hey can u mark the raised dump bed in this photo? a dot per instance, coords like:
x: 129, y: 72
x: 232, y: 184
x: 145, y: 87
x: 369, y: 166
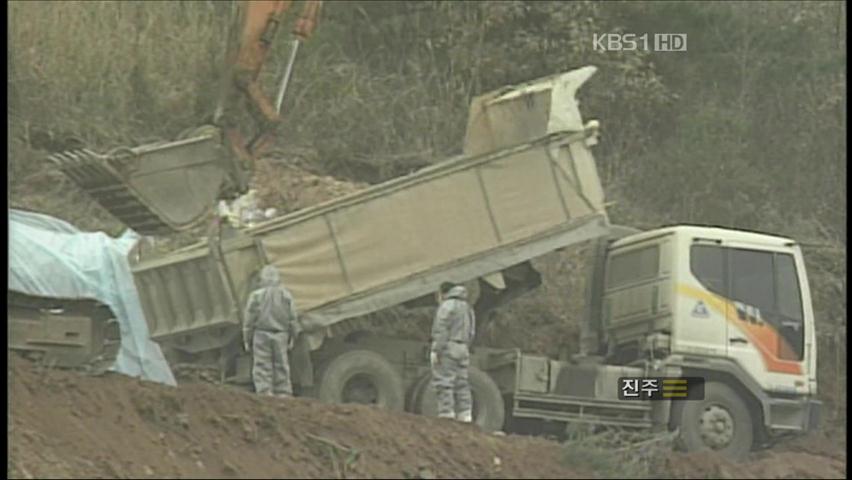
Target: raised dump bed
x: 524, y: 191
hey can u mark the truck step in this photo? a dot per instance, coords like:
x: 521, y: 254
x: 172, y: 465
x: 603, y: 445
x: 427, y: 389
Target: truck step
x: 580, y: 418
x: 627, y: 405
x: 583, y: 409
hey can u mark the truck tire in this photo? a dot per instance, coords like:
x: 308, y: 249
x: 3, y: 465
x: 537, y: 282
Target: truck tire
x: 721, y: 422
x: 489, y: 412
x: 361, y: 376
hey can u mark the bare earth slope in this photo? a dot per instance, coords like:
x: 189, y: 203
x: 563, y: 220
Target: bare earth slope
x: 67, y: 425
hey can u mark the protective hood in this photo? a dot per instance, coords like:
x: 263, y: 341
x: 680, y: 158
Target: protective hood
x: 458, y: 292
x: 269, y: 276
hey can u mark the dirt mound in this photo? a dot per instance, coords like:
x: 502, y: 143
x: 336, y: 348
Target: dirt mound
x: 63, y: 424
x: 285, y: 185
x: 778, y: 464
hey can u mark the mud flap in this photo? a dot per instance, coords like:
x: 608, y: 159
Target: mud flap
x: 301, y: 366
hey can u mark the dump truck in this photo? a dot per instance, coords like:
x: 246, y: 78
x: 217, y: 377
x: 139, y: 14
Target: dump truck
x: 727, y: 310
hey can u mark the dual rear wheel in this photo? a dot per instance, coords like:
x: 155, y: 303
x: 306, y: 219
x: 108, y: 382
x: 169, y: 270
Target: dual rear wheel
x: 488, y: 409
x: 365, y: 377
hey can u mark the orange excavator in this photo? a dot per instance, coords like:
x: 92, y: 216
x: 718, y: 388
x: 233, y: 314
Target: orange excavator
x: 172, y: 186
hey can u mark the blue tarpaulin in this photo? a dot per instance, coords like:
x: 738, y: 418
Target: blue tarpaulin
x: 50, y: 257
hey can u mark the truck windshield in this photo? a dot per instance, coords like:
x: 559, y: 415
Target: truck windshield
x: 763, y: 283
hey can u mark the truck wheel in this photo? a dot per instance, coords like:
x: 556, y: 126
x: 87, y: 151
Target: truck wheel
x: 362, y: 377
x: 488, y: 409
x: 720, y: 422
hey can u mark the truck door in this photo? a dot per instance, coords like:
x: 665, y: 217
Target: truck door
x: 702, y: 307
x: 765, y: 316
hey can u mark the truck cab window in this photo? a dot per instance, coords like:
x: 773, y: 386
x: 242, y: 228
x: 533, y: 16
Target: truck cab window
x: 707, y: 264
x: 752, y: 279
x: 768, y: 281
x: 633, y: 267
x: 790, y: 315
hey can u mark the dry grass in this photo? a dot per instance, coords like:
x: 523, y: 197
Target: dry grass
x: 617, y: 453
x: 124, y: 73
x: 154, y: 78
x: 102, y: 74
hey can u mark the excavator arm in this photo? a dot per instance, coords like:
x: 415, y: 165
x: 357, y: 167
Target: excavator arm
x: 172, y: 186
x: 257, y: 25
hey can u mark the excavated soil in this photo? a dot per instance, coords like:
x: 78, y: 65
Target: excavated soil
x: 821, y: 454
x: 779, y: 464
x: 64, y: 425
x: 285, y: 185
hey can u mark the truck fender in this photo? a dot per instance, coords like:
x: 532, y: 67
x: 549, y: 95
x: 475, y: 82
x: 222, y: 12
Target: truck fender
x: 302, y: 371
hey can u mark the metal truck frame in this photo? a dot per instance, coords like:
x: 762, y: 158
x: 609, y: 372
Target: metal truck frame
x: 63, y: 332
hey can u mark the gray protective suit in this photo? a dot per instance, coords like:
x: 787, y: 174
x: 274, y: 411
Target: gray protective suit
x: 452, y: 334
x: 270, y: 326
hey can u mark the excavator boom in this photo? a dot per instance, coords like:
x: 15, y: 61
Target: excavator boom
x: 172, y: 186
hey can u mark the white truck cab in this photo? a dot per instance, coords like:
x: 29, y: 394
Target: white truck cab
x: 731, y: 306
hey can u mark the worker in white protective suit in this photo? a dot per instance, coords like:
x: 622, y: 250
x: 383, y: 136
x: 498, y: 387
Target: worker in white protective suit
x: 270, y: 329
x: 452, y: 333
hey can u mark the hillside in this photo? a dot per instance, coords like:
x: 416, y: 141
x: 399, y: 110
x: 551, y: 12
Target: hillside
x: 64, y: 425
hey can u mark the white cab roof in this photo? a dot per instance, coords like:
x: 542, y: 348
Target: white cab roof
x: 710, y: 233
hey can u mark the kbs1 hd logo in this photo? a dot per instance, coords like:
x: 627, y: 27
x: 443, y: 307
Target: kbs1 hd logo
x: 629, y: 42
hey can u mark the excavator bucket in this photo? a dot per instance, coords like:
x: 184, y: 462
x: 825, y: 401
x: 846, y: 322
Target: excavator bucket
x: 154, y: 189
x: 171, y: 187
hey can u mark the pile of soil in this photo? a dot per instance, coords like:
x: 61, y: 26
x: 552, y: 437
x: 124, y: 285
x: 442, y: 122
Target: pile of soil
x: 282, y: 183
x: 774, y: 464
x: 63, y: 424
x: 821, y: 454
